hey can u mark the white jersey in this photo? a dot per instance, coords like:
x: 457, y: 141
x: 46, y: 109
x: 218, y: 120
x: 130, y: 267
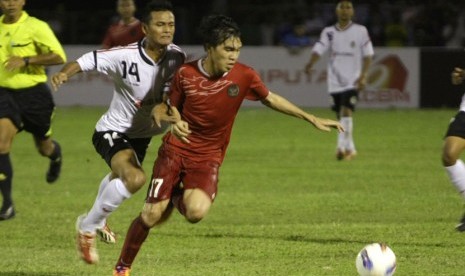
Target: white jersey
x: 139, y: 83
x: 347, y: 47
x: 462, y: 104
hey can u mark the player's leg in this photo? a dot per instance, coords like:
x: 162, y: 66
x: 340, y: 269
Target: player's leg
x: 127, y: 177
x: 112, y: 196
x: 200, y: 185
x: 455, y: 168
x: 348, y: 101
x: 37, y: 108
x: 51, y: 149
x: 157, y: 209
x: 130, y: 179
x: 196, y: 204
x: 153, y: 214
x: 348, y: 140
x: 10, y: 124
x: 336, y: 107
x: 120, y: 155
x: 7, y: 132
x: 103, y: 183
x: 454, y: 145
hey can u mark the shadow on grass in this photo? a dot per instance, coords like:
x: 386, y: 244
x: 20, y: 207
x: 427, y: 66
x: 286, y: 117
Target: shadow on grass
x: 8, y: 273
x: 303, y: 238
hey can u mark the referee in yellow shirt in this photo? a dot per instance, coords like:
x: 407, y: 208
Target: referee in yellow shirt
x: 27, y: 45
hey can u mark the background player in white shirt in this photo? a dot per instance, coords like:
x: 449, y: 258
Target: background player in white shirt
x: 141, y: 73
x: 454, y: 145
x: 350, y: 54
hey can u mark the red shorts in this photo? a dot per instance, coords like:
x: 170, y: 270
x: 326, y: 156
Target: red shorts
x: 172, y: 171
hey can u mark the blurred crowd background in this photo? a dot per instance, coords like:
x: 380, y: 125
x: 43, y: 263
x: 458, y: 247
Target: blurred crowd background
x: 293, y: 23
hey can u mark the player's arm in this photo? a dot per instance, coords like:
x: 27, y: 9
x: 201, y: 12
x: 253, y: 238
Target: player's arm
x: 70, y: 69
x: 314, y: 58
x: 278, y: 103
x: 362, y: 79
x: 458, y: 75
x: 45, y: 59
x: 165, y: 112
x: 16, y: 62
x: 168, y: 110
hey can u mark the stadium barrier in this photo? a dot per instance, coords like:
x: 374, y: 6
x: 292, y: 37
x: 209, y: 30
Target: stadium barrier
x: 394, y: 77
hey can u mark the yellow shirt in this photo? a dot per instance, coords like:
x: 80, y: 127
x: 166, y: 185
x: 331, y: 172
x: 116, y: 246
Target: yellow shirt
x: 29, y: 36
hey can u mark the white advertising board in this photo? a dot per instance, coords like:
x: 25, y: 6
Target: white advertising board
x: 393, y: 78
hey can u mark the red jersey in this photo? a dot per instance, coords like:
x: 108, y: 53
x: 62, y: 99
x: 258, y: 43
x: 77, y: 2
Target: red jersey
x: 210, y: 105
x: 120, y: 34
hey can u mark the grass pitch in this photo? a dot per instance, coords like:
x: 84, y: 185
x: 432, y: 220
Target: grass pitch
x: 285, y: 206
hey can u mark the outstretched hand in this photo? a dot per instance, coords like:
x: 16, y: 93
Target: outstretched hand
x: 58, y: 79
x: 326, y: 124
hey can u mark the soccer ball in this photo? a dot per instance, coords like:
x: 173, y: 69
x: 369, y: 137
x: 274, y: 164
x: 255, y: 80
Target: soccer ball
x: 376, y: 259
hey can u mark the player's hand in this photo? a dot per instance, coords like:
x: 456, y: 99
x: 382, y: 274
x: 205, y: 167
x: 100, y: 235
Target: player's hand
x: 163, y: 112
x: 457, y: 75
x: 361, y: 83
x: 325, y: 124
x: 309, y: 69
x: 181, y: 130
x: 58, y: 79
x: 13, y: 63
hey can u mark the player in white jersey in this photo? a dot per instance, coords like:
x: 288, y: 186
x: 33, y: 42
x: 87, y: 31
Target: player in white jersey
x: 454, y: 145
x: 350, y: 54
x: 141, y: 73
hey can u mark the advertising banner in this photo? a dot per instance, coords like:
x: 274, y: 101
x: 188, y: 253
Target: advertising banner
x: 393, y: 79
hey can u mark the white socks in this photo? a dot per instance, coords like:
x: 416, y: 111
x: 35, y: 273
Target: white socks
x: 456, y: 175
x: 110, y: 197
x: 103, y: 185
x: 345, y: 139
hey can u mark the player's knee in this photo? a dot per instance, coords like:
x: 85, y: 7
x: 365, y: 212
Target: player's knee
x: 150, y: 217
x: 448, y: 159
x: 196, y: 213
x: 43, y: 151
x: 134, y: 180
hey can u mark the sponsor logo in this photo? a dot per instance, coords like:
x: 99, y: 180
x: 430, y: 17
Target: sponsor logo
x: 387, y: 81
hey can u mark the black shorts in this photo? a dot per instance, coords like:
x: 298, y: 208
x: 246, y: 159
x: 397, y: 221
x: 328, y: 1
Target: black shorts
x: 347, y: 98
x: 457, y: 125
x: 108, y: 143
x: 30, y: 109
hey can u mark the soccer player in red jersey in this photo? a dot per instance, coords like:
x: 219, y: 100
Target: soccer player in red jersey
x: 208, y: 93
x: 127, y: 29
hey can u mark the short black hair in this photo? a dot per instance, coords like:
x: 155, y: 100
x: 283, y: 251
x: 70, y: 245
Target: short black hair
x: 154, y: 6
x: 340, y: 1
x: 215, y: 29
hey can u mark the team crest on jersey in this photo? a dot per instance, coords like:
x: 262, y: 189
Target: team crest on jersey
x: 352, y: 44
x: 233, y: 90
x: 330, y: 36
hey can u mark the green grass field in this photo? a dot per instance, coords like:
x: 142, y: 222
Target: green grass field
x: 285, y: 206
